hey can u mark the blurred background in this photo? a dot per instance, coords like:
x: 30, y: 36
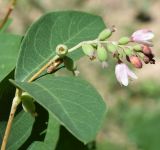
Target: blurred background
x: 133, y: 117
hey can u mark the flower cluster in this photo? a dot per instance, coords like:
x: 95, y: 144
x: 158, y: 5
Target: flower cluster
x: 139, y: 51
x: 136, y: 54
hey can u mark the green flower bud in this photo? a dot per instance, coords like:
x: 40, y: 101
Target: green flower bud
x: 28, y: 103
x: 128, y: 51
x: 124, y: 40
x: 88, y: 50
x: 137, y: 48
x: 105, y: 34
x: 141, y: 55
x: 112, y: 47
x: 102, y: 53
x: 61, y: 50
x: 69, y: 63
x: 121, y: 54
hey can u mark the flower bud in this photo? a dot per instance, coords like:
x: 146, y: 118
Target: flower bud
x: 137, y: 48
x: 128, y: 51
x: 141, y: 55
x: 146, y: 59
x: 152, y: 61
x: 28, y: 103
x: 61, y: 50
x: 69, y: 63
x: 102, y: 53
x: 135, y: 61
x: 124, y: 40
x: 146, y: 50
x: 106, y: 33
x: 111, y: 47
x: 88, y: 50
x: 121, y: 54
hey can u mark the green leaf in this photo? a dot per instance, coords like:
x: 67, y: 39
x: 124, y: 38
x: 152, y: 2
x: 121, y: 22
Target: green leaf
x: 76, y: 104
x: 39, y: 44
x: 52, y: 134
x: 51, y: 137
x: 20, y: 130
x: 9, y: 47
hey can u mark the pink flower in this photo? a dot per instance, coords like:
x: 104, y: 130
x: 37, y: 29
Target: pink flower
x: 143, y: 36
x: 123, y: 73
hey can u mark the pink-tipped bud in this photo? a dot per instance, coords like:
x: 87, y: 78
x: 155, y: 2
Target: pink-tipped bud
x: 146, y: 59
x: 135, y: 61
x: 146, y: 50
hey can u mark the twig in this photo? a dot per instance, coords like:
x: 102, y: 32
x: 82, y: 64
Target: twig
x: 9, y: 11
x: 55, y: 62
x: 15, y: 103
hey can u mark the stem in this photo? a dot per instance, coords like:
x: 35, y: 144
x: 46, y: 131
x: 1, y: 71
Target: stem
x: 15, y: 103
x: 56, y: 61
x: 81, y: 43
x: 9, y: 11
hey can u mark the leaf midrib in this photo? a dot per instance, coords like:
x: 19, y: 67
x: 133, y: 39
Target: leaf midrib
x: 45, y: 89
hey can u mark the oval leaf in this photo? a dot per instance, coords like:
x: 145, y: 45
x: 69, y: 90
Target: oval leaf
x: 73, y: 101
x: 38, y: 46
x: 20, y: 131
x: 9, y: 47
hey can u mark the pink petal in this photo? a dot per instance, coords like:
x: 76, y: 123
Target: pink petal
x: 142, y: 35
x: 131, y: 74
x: 121, y: 74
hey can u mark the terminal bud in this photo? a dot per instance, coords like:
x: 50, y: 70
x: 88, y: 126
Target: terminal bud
x: 61, y: 50
x: 106, y: 33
